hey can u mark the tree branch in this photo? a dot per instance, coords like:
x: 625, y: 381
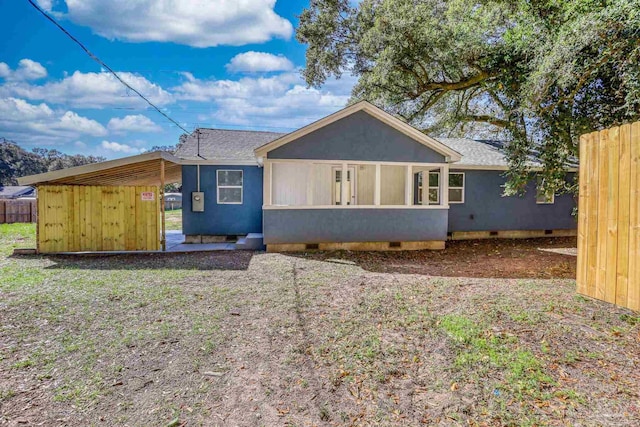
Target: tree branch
x: 459, y: 85
x: 485, y: 119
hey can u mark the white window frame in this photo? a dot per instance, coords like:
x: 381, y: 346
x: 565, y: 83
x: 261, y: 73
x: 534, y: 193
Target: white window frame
x: 547, y: 201
x: 436, y: 187
x: 218, y: 186
x: 451, y: 202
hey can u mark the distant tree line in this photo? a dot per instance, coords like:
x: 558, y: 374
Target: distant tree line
x: 15, y: 161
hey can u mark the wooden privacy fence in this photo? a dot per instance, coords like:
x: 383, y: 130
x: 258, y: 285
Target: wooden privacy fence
x: 18, y: 210
x: 609, y: 216
x: 76, y: 218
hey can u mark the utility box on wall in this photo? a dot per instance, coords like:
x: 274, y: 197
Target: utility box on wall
x: 197, y: 201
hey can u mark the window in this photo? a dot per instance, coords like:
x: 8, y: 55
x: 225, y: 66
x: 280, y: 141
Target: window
x: 456, y: 187
x: 434, y: 188
x: 229, y: 187
x: 543, y: 197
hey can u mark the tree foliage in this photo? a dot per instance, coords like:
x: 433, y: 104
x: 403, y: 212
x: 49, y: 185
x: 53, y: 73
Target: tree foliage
x: 537, y: 73
x: 16, y: 161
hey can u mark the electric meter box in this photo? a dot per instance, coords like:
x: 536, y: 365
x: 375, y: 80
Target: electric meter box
x: 197, y: 201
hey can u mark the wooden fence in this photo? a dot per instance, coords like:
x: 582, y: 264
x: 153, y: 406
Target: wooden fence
x: 77, y: 218
x: 609, y: 216
x: 18, y: 210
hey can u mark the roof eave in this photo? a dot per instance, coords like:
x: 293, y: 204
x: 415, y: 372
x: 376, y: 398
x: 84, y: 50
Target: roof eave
x: 95, y: 167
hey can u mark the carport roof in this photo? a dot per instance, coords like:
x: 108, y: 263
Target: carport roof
x: 142, y: 169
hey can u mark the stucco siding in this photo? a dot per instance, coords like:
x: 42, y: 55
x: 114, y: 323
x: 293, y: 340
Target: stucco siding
x: 357, y: 137
x: 485, y: 209
x: 353, y: 225
x: 222, y: 219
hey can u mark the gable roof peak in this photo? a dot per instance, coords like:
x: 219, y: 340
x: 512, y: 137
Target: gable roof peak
x: 372, y: 110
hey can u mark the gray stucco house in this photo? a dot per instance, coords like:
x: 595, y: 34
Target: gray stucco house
x: 357, y: 179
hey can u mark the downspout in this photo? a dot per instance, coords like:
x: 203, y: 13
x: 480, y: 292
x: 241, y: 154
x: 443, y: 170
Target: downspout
x: 198, y: 177
x: 198, y: 165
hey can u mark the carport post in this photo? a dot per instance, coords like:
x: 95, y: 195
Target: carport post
x: 164, y: 234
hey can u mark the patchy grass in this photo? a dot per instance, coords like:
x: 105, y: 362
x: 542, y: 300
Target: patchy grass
x: 236, y: 338
x: 18, y: 235
x: 173, y: 219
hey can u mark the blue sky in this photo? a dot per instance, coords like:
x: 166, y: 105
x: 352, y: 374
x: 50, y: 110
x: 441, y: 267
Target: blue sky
x: 208, y: 63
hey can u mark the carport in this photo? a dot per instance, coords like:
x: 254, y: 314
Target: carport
x: 117, y: 205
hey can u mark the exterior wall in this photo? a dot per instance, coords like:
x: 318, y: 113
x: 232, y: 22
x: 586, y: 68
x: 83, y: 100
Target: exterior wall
x: 219, y: 220
x: 485, y: 209
x: 77, y: 218
x: 353, y: 225
x: 357, y: 137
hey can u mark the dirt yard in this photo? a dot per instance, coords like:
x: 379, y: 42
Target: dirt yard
x: 476, y: 258
x: 255, y: 339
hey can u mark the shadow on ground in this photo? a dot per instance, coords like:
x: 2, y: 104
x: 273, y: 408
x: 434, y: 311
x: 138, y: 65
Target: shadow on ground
x: 223, y: 260
x: 503, y: 258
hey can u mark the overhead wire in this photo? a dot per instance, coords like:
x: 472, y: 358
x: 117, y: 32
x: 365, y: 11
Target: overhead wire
x: 105, y: 66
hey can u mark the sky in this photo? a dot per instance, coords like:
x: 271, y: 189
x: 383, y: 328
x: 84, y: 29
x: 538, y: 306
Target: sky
x: 205, y: 63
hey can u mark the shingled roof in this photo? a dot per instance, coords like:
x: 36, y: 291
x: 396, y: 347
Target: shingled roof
x: 489, y: 153
x: 224, y: 144
x: 16, y: 191
x: 481, y: 152
x: 239, y: 145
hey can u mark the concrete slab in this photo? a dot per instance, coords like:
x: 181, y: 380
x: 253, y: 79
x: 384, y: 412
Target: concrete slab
x: 199, y: 247
x: 175, y: 243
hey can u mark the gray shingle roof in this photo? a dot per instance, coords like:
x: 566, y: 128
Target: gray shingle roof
x: 15, y: 191
x: 238, y: 145
x: 223, y: 144
x: 479, y: 152
x: 489, y: 153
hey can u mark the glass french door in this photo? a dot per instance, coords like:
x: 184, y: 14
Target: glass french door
x: 350, y: 183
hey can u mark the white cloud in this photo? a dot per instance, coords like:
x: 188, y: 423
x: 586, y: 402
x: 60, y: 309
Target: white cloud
x: 248, y: 87
x: 79, y: 144
x: 27, y: 70
x: 133, y: 123
x: 198, y: 23
x: 47, y: 5
x: 73, y: 122
x: 253, y: 62
x: 31, y: 70
x: 281, y: 101
x: 90, y: 90
x: 22, y: 121
x: 120, y: 148
x: 13, y: 109
x: 5, y: 71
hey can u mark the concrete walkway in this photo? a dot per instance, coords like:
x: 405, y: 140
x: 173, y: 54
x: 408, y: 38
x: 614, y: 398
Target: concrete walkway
x: 175, y: 243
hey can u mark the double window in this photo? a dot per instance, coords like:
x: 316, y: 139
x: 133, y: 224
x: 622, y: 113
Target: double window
x: 229, y: 187
x: 456, y: 187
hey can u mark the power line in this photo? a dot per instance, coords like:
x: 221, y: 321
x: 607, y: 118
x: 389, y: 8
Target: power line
x: 102, y: 64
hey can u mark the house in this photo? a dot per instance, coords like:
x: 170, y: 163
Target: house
x: 357, y: 179
x: 16, y: 191
x: 172, y: 201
